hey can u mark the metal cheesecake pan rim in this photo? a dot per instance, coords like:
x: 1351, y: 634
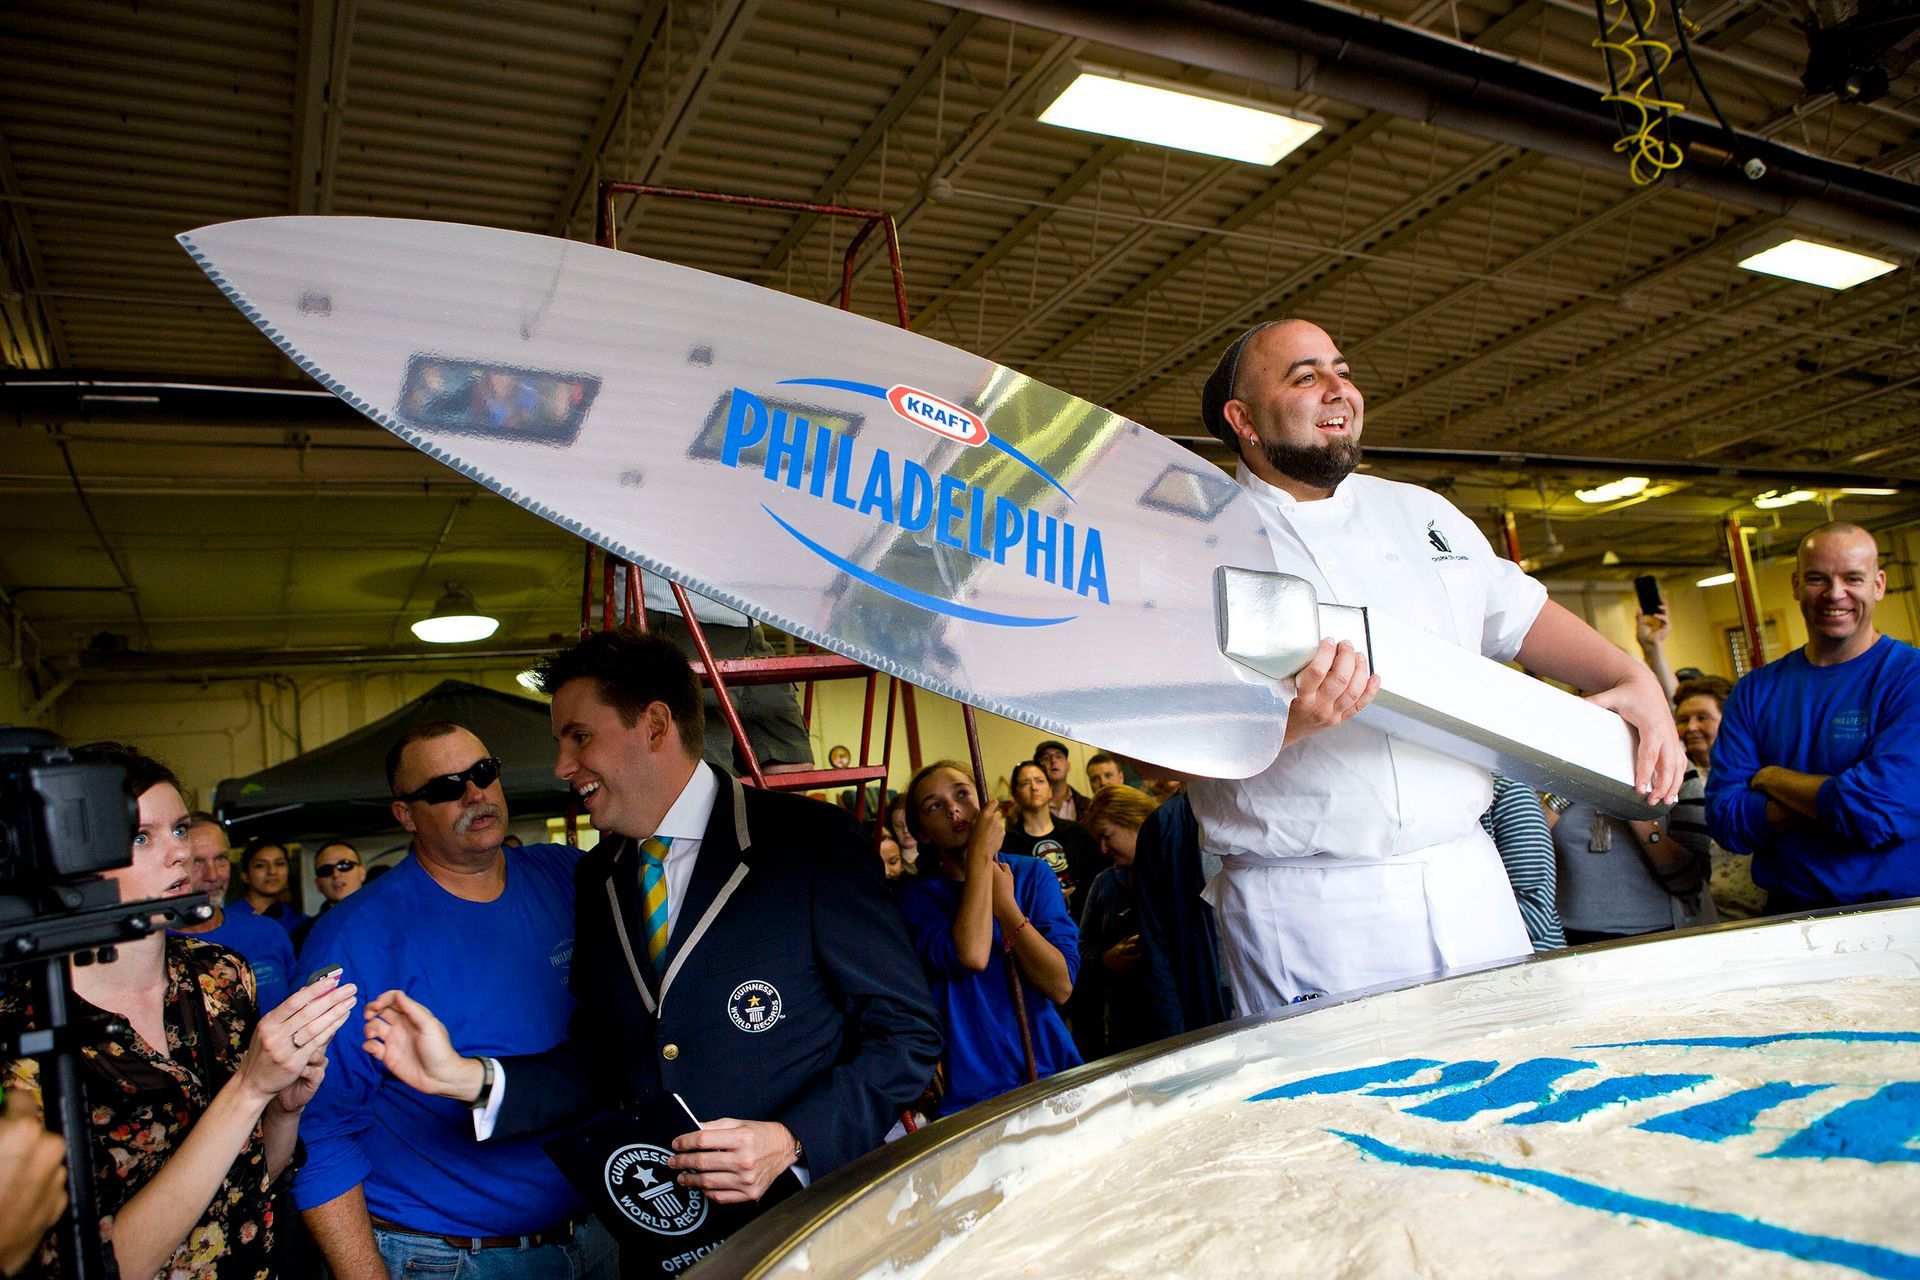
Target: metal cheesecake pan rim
x: 897, y: 1209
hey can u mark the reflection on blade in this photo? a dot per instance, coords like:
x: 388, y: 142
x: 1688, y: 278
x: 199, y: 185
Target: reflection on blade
x: 920, y: 509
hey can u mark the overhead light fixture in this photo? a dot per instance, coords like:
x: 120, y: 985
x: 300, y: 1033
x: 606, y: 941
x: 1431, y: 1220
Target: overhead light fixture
x: 1775, y: 498
x: 1614, y: 490
x: 1871, y: 493
x: 1123, y: 105
x: 528, y: 680
x: 1717, y: 580
x: 1820, y: 264
x: 455, y: 619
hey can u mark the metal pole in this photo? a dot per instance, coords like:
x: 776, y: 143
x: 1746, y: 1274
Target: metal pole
x: 719, y: 686
x: 912, y: 712
x: 1741, y: 558
x: 586, y: 594
x: 1510, y: 527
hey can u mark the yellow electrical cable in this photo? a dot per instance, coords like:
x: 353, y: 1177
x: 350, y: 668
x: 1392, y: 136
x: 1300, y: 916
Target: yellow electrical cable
x: 1651, y: 154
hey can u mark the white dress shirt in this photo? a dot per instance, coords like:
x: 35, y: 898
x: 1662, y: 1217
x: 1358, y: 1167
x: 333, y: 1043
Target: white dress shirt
x: 686, y: 826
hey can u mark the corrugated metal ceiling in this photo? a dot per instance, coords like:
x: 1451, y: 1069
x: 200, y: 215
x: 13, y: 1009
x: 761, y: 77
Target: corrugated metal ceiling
x: 1491, y: 298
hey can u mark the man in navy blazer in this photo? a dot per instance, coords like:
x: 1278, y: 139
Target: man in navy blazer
x: 758, y: 968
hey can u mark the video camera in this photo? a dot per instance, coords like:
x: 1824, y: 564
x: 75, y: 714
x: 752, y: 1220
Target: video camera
x: 62, y: 822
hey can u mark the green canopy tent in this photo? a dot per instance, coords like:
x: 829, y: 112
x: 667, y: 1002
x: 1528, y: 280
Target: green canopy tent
x: 341, y: 788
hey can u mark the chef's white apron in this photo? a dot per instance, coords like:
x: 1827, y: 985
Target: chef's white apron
x: 1321, y: 925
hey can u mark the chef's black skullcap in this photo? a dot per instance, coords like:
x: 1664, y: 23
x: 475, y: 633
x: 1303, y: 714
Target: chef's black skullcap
x: 1220, y: 388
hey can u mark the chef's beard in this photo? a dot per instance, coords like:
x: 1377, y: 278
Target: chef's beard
x: 1316, y: 466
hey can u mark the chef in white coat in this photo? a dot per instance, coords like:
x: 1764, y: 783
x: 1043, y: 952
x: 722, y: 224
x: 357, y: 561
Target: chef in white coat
x: 1357, y: 859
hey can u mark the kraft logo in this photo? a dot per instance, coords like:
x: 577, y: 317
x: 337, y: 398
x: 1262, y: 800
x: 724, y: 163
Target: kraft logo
x: 942, y: 417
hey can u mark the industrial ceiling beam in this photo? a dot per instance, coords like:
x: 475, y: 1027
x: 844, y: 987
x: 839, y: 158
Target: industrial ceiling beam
x: 1322, y: 161
x: 1295, y: 176
x: 1542, y: 326
x: 40, y: 338
x: 1474, y: 180
x: 646, y: 30
x: 902, y: 99
x: 972, y: 144
x: 319, y: 101
x: 1308, y: 46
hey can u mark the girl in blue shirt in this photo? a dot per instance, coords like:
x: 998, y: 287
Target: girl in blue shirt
x: 969, y: 911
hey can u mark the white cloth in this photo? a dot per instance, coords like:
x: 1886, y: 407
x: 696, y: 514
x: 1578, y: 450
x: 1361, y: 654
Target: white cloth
x: 686, y: 825
x: 1353, y: 794
x: 1325, y: 926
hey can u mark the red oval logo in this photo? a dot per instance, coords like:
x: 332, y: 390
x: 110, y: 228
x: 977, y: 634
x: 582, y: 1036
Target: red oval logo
x: 942, y: 417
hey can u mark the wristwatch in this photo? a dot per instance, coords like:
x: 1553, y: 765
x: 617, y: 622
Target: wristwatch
x: 486, y: 1086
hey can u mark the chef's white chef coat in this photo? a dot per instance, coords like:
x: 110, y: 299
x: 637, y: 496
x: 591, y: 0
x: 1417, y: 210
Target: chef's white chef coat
x: 1396, y: 825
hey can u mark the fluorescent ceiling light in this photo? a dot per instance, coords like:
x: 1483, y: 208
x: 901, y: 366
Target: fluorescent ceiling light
x: 1614, y: 490
x: 1773, y: 498
x: 455, y: 619
x: 1717, y: 580
x: 1122, y: 106
x: 1871, y: 493
x: 1820, y: 264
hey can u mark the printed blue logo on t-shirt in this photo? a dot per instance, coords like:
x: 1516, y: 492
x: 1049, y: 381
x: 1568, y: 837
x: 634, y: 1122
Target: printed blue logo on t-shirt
x: 1848, y: 728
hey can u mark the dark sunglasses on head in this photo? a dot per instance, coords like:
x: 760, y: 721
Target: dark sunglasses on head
x: 340, y: 868
x: 451, y: 786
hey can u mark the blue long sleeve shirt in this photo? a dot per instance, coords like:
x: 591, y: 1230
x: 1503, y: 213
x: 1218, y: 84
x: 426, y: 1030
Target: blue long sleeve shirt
x: 984, y: 1057
x: 1857, y: 721
x: 496, y: 974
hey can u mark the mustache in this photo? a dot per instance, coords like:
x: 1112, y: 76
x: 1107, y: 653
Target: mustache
x: 483, y: 810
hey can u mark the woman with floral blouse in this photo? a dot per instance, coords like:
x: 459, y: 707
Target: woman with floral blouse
x: 196, y: 1103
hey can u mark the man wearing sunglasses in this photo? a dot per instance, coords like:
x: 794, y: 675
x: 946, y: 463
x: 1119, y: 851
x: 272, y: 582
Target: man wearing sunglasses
x: 738, y: 950
x: 395, y: 1182
x: 339, y: 873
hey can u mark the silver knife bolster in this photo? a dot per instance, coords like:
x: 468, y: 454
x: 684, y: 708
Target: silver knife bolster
x: 1436, y: 693
x: 1267, y: 622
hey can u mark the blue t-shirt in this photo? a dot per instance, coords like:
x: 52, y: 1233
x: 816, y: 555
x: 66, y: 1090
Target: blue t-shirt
x: 496, y: 974
x: 262, y: 944
x: 288, y: 917
x: 1858, y: 721
x: 984, y: 1058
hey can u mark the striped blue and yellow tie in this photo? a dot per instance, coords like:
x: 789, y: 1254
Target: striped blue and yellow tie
x: 653, y: 883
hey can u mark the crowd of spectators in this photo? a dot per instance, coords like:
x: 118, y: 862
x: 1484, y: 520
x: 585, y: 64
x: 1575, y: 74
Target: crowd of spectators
x: 1028, y: 935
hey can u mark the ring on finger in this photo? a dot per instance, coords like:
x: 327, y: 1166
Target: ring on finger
x: 295, y: 1037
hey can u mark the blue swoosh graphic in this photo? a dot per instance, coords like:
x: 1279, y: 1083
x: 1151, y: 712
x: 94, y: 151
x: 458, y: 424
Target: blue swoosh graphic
x: 908, y: 594
x: 880, y: 393
x: 1871, y: 1259
x: 1754, y: 1042
x: 837, y: 384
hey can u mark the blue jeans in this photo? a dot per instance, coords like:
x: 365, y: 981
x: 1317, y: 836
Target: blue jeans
x: 593, y: 1255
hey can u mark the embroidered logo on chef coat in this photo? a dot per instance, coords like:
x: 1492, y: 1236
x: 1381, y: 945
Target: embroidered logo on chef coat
x: 754, y: 1005
x: 1440, y: 543
x: 640, y: 1183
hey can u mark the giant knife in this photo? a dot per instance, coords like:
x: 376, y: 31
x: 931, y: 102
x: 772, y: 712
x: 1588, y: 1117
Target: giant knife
x: 925, y: 511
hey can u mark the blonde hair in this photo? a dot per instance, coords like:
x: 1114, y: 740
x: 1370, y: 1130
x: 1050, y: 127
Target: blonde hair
x: 1123, y: 806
